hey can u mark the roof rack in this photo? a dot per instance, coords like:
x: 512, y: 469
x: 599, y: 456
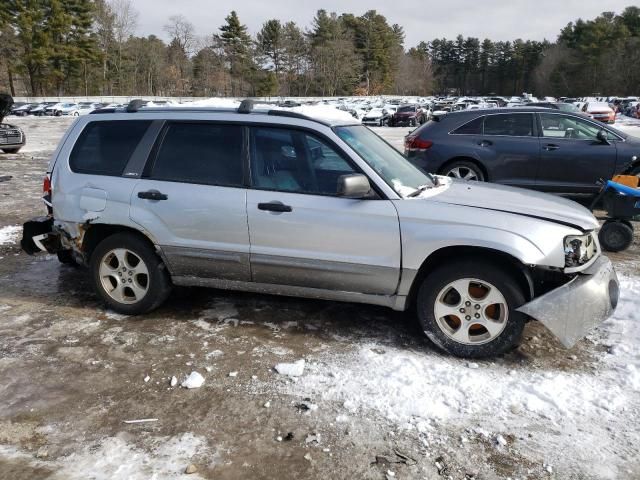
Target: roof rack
x: 135, y: 105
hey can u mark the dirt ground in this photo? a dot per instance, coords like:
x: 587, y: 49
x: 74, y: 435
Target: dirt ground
x: 72, y: 373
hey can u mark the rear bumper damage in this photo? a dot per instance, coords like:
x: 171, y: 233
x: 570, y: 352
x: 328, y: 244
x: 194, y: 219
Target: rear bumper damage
x: 38, y: 235
x: 572, y: 310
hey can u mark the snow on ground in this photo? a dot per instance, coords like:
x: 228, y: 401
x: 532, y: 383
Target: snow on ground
x: 628, y: 125
x: 569, y: 410
x: 116, y: 458
x: 10, y: 235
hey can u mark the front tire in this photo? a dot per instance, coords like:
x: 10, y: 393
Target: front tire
x: 128, y: 275
x: 468, y: 309
x: 11, y: 150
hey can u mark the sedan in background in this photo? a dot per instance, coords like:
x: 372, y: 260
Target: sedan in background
x: 600, y: 111
x: 376, y: 117
x: 408, y: 116
x: 547, y: 150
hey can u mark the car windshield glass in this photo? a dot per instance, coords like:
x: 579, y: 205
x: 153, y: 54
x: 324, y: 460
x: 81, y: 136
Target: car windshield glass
x: 392, y: 167
x: 406, y: 109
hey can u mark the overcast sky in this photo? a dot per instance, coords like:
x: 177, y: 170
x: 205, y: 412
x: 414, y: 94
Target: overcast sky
x: 421, y: 19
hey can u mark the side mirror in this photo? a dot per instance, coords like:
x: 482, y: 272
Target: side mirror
x: 602, y: 137
x: 354, y: 185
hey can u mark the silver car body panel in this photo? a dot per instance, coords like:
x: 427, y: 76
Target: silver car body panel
x: 327, y: 247
x: 325, y: 242
x: 573, y: 309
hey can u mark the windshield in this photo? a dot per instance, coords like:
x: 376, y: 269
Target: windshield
x: 394, y: 169
x: 407, y: 109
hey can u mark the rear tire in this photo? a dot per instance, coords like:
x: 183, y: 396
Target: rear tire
x: 468, y: 309
x: 11, y: 150
x: 128, y: 274
x: 465, y: 170
x: 615, y: 235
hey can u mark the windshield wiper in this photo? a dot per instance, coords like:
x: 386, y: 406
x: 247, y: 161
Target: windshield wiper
x: 418, y: 191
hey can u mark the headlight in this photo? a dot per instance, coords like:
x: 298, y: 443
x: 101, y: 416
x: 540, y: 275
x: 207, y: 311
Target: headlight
x: 579, y: 249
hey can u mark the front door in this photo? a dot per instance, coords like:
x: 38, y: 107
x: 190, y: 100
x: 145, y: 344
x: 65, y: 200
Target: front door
x: 192, y: 201
x: 510, y: 148
x: 302, y: 233
x: 572, y: 159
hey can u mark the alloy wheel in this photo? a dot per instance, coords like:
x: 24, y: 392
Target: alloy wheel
x: 471, y: 311
x: 124, y: 276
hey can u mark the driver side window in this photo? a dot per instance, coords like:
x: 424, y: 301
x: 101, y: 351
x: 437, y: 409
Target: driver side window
x: 295, y: 161
x: 564, y: 126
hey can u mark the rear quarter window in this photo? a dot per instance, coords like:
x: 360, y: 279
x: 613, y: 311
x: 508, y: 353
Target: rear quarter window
x: 104, y: 148
x: 474, y: 127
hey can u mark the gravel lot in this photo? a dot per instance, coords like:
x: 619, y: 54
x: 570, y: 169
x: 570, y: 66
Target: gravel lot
x: 376, y: 400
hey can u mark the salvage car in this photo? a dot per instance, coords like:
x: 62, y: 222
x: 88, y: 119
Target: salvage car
x: 285, y: 204
x: 409, y: 116
x: 542, y: 149
x: 600, y: 111
x: 12, y: 138
x: 376, y: 117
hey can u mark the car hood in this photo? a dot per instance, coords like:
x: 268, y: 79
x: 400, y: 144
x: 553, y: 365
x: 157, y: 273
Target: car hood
x: 518, y: 201
x: 405, y: 114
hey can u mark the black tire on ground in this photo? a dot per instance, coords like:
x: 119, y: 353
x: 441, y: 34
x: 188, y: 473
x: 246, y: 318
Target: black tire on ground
x: 159, y: 282
x: 464, y: 169
x: 11, y: 150
x: 501, y: 279
x: 615, y: 235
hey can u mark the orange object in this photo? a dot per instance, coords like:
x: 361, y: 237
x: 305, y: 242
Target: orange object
x: 632, y: 181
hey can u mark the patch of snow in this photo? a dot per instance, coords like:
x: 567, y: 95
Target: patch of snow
x: 295, y: 369
x: 9, y: 235
x: 194, y: 380
x: 415, y: 388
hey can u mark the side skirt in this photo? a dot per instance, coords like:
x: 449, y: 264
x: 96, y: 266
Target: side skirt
x: 396, y: 302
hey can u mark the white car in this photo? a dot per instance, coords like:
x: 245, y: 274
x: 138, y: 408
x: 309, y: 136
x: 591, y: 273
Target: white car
x: 69, y: 109
x: 84, y: 108
x: 376, y: 117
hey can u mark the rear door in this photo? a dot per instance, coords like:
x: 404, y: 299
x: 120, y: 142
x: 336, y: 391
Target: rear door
x: 572, y: 158
x: 192, y: 201
x: 510, y: 148
x: 302, y: 233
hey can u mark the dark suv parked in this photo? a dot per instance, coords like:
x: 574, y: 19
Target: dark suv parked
x: 543, y: 149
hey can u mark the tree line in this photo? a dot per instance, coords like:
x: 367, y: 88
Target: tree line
x: 89, y: 47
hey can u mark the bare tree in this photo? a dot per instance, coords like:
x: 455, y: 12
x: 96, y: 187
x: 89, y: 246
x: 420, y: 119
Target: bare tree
x: 182, y: 32
x: 125, y: 21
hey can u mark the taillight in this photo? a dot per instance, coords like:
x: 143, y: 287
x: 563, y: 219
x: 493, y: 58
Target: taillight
x: 46, y: 192
x: 46, y: 185
x: 417, y: 144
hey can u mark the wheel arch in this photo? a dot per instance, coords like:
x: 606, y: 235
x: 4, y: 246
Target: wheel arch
x: 465, y: 158
x: 521, y: 272
x: 97, y: 232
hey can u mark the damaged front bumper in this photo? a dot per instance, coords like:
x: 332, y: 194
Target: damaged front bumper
x: 573, y: 309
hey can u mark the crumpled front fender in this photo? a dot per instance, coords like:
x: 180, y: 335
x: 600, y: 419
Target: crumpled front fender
x: 576, y: 307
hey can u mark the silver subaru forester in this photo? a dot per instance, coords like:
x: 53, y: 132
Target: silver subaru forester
x: 275, y: 202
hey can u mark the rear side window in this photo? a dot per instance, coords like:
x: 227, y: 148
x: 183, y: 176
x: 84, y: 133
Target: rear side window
x: 204, y: 153
x: 511, y: 125
x: 474, y: 127
x: 104, y: 148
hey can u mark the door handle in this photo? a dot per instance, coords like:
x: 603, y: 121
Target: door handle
x: 274, y: 207
x: 153, y: 195
x: 550, y: 147
x: 485, y: 143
